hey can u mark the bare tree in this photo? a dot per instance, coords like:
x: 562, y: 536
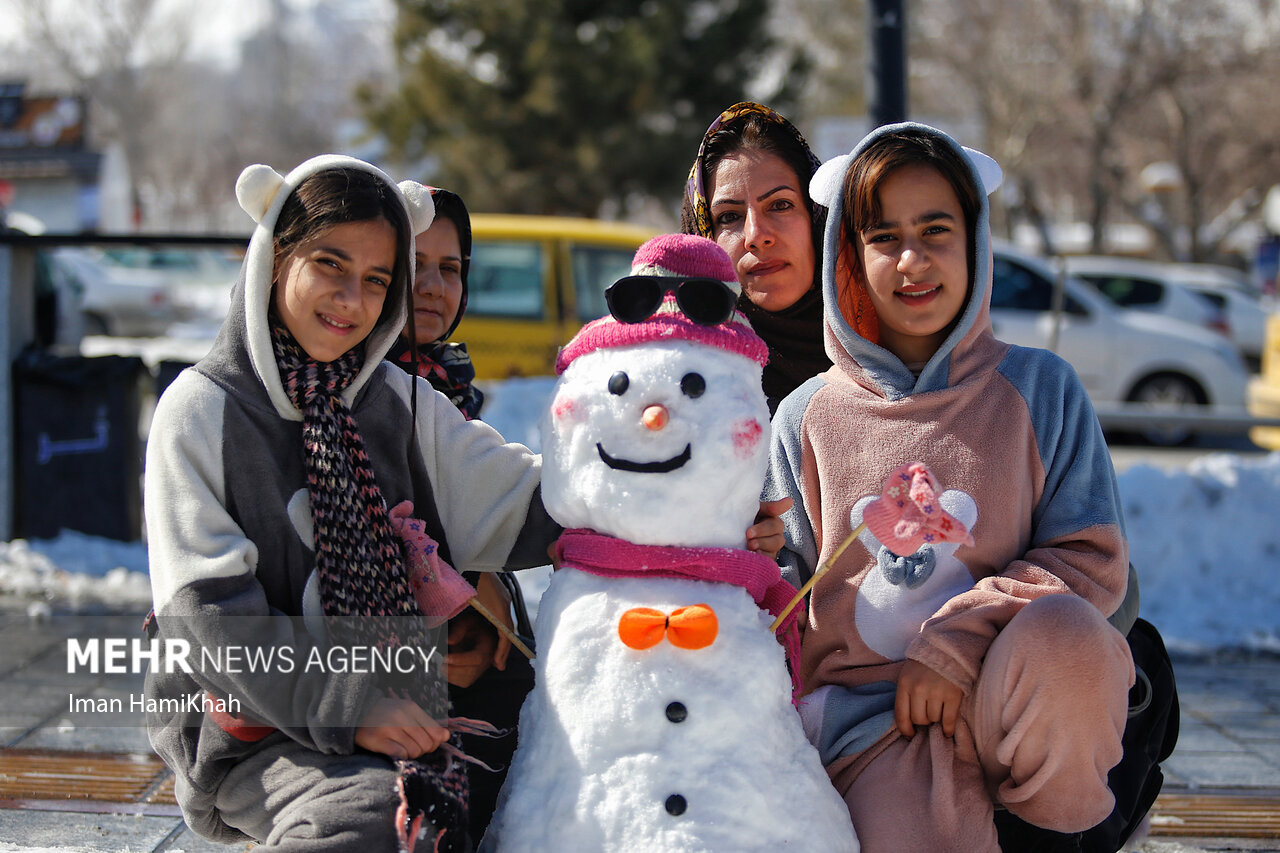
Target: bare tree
x: 833, y: 35
x: 109, y: 51
x: 976, y: 57
x: 188, y: 127
x: 1079, y: 96
x: 1216, y: 123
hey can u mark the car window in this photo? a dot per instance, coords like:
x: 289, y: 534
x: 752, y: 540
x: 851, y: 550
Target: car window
x: 505, y: 279
x: 1219, y: 300
x: 1128, y: 291
x: 594, y: 269
x: 186, y: 264
x: 172, y: 259
x: 1017, y: 288
x: 126, y: 257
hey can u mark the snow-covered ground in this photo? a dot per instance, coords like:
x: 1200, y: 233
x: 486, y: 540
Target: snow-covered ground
x: 1205, y: 540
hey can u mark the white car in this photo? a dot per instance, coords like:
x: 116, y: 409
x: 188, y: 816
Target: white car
x: 1146, y: 286
x: 1121, y: 356
x: 1245, y: 311
x: 114, y: 300
x: 1218, y: 275
x: 1197, y: 293
x: 200, y: 278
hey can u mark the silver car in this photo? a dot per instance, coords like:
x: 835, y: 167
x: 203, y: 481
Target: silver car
x: 1121, y: 356
x: 1189, y: 292
x: 114, y: 300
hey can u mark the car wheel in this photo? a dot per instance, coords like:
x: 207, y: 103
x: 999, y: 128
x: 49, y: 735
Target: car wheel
x: 1168, y: 392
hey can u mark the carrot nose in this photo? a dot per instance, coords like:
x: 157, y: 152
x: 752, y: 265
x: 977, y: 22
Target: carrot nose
x: 655, y: 417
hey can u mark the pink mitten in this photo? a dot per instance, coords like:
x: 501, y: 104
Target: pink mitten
x: 908, y: 514
x: 440, y: 591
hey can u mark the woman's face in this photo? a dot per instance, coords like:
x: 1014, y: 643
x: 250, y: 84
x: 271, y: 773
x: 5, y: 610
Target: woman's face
x: 916, y: 261
x: 437, y: 281
x: 759, y: 216
x: 330, y: 289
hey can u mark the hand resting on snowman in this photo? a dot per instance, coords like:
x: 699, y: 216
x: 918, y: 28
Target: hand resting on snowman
x: 767, y: 535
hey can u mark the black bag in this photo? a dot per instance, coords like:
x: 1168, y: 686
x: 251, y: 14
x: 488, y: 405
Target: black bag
x: 1149, y: 738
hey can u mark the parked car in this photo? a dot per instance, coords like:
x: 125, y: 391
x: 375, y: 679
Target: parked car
x: 1147, y: 286
x: 113, y: 300
x: 1245, y: 311
x: 1182, y: 290
x: 1122, y: 356
x: 199, y: 279
x: 182, y: 263
x: 533, y: 282
x: 1217, y: 275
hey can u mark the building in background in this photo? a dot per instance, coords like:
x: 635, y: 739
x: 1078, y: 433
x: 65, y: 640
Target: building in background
x: 45, y: 158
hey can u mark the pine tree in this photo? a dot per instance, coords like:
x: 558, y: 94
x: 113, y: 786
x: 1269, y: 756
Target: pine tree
x: 557, y: 106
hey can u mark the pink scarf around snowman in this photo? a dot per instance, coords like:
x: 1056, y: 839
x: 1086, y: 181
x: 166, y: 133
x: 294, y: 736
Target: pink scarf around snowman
x: 758, y: 574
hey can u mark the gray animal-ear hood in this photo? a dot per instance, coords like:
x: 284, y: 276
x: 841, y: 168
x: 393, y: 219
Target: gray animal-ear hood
x: 878, y: 366
x: 262, y: 192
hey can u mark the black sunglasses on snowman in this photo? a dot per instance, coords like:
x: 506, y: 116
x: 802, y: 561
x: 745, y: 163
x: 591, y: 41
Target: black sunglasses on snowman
x: 636, y: 298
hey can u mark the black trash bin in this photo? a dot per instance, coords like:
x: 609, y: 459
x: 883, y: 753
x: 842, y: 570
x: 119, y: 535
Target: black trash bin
x: 167, y: 371
x: 77, y: 453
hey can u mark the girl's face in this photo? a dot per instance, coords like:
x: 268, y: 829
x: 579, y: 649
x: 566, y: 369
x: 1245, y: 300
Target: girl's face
x: 758, y: 216
x: 916, y: 261
x: 330, y: 289
x: 437, y: 280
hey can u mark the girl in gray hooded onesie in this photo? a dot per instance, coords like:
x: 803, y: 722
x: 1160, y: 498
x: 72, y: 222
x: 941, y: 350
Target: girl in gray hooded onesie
x: 312, y: 714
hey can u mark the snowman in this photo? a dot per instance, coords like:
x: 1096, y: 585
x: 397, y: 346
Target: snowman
x: 662, y: 716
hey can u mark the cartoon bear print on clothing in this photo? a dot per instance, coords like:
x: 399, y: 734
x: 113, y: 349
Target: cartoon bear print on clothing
x: 901, y: 592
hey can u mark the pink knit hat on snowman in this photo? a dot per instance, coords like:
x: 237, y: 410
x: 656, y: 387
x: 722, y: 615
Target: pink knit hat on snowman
x: 682, y: 257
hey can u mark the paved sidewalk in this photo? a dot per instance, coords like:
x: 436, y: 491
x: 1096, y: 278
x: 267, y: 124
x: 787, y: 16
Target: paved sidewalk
x: 1227, y: 761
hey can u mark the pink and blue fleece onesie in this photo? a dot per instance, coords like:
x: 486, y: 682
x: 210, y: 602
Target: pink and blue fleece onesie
x: 1013, y: 439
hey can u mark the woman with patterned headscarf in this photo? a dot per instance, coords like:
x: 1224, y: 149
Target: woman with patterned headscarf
x: 443, y: 257
x: 485, y: 680
x: 749, y: 191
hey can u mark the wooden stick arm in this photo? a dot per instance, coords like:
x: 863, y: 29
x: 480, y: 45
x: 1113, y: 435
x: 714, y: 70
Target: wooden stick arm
x: 497, y: 623
x: 828, y: 563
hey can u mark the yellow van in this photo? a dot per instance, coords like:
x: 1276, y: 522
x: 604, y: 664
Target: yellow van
x: 534, y: 281
x: 1264, y: 390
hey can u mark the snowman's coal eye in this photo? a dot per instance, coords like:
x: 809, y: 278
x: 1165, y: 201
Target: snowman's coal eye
x: 693, y: 385
x: 618, y: 383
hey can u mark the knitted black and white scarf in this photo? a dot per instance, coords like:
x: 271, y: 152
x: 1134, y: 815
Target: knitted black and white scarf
x: 364, y: 587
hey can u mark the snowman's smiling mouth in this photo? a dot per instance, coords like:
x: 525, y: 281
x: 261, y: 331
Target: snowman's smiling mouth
x: 660, y: 467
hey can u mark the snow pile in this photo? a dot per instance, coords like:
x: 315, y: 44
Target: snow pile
x: 1206, y: 544
x: 76, y: 569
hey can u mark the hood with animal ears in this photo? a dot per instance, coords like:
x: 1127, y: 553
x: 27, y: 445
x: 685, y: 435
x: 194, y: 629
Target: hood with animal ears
x: 877, y: 366
x: 262, y: 192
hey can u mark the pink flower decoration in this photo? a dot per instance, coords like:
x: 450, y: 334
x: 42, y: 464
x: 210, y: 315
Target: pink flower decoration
x: 907, y: 514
